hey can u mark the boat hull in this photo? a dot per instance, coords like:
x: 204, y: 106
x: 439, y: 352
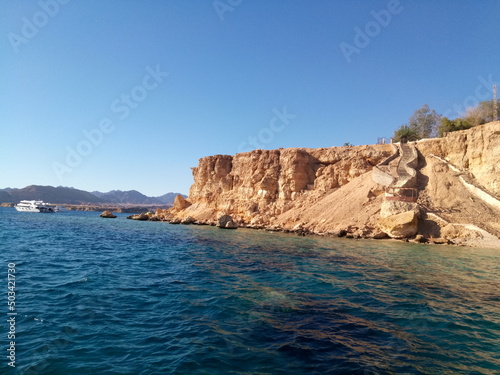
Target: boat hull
x: 26, y: 209
x: 33, y: 206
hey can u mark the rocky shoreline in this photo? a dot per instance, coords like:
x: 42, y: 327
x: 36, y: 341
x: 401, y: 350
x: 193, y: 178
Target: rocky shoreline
x: 441, y: 190
x: 160, y: 216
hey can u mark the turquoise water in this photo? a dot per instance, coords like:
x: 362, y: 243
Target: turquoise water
x: 115, y: 296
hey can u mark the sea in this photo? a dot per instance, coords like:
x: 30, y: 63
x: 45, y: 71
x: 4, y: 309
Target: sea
x: 117, y: 296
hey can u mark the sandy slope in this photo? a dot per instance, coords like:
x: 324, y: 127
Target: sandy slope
x: 354, y: 207
x: 444, y: 195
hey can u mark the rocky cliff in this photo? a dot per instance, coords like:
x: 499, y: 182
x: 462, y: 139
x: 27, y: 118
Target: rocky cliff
x: 258, y: 186
x: 476, y: 151
x: 331, y: 190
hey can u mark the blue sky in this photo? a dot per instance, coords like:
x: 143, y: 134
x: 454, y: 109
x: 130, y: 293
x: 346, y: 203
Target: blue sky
x: 123, y: 94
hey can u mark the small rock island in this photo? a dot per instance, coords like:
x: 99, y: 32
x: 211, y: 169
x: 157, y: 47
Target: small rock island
x: 107, y: 214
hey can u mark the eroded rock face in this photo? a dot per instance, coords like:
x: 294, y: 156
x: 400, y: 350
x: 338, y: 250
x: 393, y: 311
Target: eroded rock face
x: 180, y: 203
x: 259, y: 185
x: 476, y: 150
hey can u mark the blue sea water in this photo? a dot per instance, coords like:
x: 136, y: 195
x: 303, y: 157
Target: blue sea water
x: 116, y: 296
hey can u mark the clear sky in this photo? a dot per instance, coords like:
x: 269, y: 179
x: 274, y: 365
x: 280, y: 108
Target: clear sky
x: 129, y: 94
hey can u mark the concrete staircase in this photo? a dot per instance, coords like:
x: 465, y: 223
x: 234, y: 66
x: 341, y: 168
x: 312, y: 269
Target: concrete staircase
x: 398, y: 170
x: 407, y: 175
x: 385, y: 173
x: 399, y: 211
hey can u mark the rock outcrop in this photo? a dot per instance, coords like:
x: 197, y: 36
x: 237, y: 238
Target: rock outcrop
x: 141, y: 217
x: 107, y: 214
x: 399, y: 219
x: 333, y: 190
x: 180, y: 203
x: 226, y: 222
x: 401, y: 225
x: 163, y: 214
x: 265, y: 184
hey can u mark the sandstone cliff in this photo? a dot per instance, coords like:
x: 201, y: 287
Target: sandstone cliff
x: 258, y: 186
x: 331, y: 190
x: 459, y: 184
x: 476, y: 151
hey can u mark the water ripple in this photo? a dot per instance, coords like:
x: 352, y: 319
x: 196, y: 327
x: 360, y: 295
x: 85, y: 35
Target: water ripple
x: 119, y: 297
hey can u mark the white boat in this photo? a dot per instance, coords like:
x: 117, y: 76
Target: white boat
x: 33, y: 206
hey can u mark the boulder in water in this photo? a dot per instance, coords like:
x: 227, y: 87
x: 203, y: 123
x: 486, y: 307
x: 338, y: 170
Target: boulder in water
x: 226, y: 222
x: 401, y: 225
x: 142, y: 217
x: 107, y: 214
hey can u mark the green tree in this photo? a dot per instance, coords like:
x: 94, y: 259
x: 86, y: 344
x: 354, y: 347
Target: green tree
x: 448, y: 125
x: 425, y: 122
x: 405, y: 134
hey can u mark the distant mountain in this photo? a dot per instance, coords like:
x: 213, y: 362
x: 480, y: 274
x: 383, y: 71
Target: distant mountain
x: 49, y: 194
x: 69, y: 195
x: 5, y: 197
x: 135, y: 197
x: 120, y: 197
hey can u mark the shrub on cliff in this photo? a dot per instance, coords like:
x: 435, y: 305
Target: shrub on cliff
x: 448, y: 125
x: 405, y: 134
x: 481, y: 113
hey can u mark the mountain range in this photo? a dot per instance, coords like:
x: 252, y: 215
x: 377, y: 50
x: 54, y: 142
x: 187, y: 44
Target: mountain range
x: 69, y: 195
